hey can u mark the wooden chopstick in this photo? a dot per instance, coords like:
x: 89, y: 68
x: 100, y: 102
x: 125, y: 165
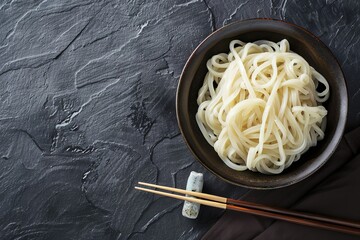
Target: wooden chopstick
x: 184, y: 198
x: 276, y: 213
x: 258, y: 206
x: 195, y: 194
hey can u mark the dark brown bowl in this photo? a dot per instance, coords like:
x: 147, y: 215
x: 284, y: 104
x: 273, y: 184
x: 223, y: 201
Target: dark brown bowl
x: 302, y: 42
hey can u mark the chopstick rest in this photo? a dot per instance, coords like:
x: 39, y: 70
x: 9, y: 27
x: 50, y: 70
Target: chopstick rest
x: 194, y: 183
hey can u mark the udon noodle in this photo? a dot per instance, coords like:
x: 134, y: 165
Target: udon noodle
x: 259, y: 106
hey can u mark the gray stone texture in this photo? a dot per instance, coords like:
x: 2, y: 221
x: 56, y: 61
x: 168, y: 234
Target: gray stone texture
x: 87, y: 109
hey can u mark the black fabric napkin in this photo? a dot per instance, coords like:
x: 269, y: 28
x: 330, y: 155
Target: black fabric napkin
x: 334, y: 190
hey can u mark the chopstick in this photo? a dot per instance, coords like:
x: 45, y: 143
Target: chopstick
x: 257, y: 206
x: 350, y: 227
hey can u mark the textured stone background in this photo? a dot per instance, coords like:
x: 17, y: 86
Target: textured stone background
x: 87, y: 109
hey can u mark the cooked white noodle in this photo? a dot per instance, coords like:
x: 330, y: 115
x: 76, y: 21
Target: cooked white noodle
x: 258, y: 106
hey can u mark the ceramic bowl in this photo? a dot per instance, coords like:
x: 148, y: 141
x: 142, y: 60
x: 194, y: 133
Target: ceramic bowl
x: 302, y: 42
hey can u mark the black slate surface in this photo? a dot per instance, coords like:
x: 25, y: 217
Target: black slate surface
x: 87, y: 109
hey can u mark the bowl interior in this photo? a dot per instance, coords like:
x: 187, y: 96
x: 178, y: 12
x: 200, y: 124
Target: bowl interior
x: 301, y: 42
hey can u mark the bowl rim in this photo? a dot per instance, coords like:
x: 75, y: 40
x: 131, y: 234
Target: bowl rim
x: 337, y: 134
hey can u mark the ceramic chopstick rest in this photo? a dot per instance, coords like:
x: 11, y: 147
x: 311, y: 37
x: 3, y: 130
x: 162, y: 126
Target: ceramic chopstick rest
x: 195, y: 183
